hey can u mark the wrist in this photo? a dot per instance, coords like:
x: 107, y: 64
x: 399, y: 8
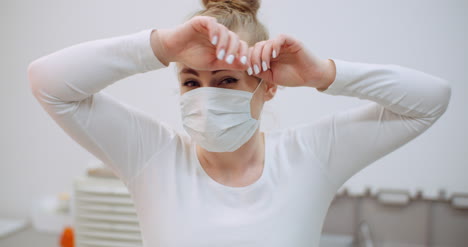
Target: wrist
x: 328, y: 76
x: 159, y: 47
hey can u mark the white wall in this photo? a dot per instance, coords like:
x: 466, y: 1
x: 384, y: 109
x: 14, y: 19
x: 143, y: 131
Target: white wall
x: 38, y: 158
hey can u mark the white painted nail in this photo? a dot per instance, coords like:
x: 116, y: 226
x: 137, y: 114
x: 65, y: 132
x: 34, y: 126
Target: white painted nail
x: 230, y: 59
x: 243, y: 59
x: 221, y: 54
x: 214, y: 41
x: 264, y: 66
x: 256, y: 69
x: 274, y: 54
x: 249, y: 71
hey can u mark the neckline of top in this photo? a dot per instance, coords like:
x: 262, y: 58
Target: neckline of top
x: 213, y: 182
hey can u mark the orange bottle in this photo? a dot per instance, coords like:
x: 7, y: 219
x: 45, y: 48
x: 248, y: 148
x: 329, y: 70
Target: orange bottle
x: 67, y: 238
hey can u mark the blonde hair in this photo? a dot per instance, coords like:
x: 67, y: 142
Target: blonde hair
x: 239, y: 16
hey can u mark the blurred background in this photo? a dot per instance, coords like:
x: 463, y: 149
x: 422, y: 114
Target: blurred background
x: 40, y: 162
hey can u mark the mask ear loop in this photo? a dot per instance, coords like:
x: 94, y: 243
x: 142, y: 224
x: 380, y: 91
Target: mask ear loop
x: 257, y: 86
x: 261, y: 111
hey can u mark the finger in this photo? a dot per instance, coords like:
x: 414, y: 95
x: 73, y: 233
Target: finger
x: 255, y: 59
x: 282, y: 41
x: 266, y: 55
x: 213, y: 30
x: 232, y: 48
x: 249, y: 63
x: 209, y: 25
x: 243, y: 52
x: 223, y: 33
x: 277, y: 44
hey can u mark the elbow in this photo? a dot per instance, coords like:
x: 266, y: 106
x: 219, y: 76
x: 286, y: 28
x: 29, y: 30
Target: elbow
x: 34, y: 77
x: 440, y: 99
x: 445, y: 91
x: 39, y: 79
x: 434, y: 92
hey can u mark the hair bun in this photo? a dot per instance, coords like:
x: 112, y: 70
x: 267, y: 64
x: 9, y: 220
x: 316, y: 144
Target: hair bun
x: 246, y: 6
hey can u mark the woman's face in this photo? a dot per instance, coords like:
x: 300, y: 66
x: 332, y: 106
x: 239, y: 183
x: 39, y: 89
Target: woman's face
x: 190, y: 79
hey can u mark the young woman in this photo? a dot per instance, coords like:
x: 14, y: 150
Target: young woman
x: 226, y: 183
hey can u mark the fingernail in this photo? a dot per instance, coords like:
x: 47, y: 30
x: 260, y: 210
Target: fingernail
x: 256, y: 69
x: 274, y: 54
x: 249, y: 71
x: 264, y: 66
x: 243, y: 59
x: 214, y: 41
x: 221, y: 54
x: 230, y: 59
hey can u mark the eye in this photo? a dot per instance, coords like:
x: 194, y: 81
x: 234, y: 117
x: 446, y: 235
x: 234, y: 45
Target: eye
x: 228, y: 80
x: 190, y: 83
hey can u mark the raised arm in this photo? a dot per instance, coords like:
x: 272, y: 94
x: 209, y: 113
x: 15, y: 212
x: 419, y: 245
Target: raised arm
x: 67, y: 84
x: 405, y: 103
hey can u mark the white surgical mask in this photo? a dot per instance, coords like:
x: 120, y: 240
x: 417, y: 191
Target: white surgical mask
x: 218, y: 119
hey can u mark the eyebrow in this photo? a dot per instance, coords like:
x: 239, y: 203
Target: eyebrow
x: 194, y: 72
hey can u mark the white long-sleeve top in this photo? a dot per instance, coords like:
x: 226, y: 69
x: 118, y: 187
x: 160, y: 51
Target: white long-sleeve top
x: 177, y: 203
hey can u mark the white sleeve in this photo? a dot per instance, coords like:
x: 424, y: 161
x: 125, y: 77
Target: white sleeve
x: 406, y: 102
x: 67, y: 84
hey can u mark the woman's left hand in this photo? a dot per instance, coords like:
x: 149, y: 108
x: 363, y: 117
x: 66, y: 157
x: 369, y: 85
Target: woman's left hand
x: 285, y: 61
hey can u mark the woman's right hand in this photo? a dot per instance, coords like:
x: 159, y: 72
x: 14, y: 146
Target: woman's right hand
x: 202, y: 44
